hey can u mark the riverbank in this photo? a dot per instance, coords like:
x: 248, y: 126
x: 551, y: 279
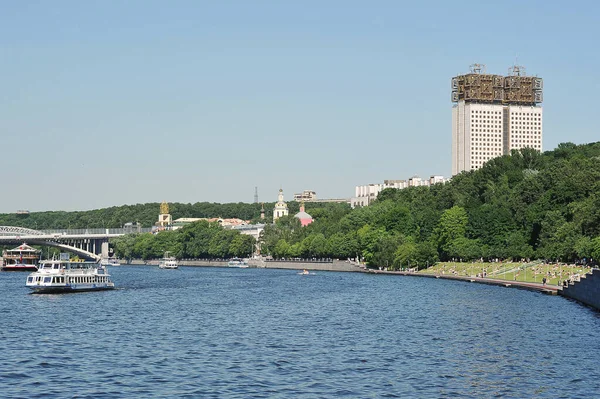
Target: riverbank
x: 333, y: 266
x: 543, y: 288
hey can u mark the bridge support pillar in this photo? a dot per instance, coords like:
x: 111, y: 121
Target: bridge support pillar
x: 105, y: 249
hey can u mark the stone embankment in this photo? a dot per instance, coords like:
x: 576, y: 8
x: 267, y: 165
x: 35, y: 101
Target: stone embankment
x: 334, y: 266
x: 543, y: 288
x: 586, y: 290
x: 182, y: 262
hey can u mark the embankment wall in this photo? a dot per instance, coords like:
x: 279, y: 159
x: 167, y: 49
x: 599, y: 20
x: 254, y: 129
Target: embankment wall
x: 335, y: 266
x: 586, y: 291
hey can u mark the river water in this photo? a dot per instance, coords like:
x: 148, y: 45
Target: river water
x: 264, y: 333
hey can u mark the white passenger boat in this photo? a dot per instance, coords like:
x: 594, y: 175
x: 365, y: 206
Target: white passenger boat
x: 57, y: 276
x: 168, y: 262
x: 237, y: 262
x: 110, y: 261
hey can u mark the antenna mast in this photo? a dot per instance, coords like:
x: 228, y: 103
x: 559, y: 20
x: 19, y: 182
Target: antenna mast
x: 256, y: 195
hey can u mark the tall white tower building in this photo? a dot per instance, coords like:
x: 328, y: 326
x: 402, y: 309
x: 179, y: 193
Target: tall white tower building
x: 493, y: 115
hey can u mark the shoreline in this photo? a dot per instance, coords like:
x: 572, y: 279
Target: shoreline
x: 345, y: 266
x: 539, y: 287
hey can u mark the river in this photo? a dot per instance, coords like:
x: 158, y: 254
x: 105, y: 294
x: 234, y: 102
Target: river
x: 262, y: 333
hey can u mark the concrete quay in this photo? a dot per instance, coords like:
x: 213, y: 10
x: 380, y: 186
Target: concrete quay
x: 334, y: 266
x: 544, y: 289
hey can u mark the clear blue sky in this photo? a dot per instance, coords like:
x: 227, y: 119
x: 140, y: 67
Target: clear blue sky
x: 105, y: 103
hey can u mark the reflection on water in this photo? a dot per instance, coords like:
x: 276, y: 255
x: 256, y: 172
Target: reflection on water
x: 263, y: 333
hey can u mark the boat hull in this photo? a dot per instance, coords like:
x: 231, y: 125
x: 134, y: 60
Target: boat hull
x: 19, y: 268
x: 69, y: 289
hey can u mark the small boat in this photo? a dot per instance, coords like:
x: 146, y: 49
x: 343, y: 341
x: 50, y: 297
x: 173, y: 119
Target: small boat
x: 60, y: 276
x: 168, y: 262
x: 21, y: 258
x: 237, y: 262
x: 110, y: 261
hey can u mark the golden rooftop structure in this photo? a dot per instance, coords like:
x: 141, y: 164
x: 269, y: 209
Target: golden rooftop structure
x: 514, y: 89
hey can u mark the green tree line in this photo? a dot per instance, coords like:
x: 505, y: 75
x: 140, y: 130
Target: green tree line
x: 145, y: 214
x: 197, y: 240
x: 524, y: 205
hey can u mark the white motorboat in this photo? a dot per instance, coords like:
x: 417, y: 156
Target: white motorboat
x: 58, y: 276
x: 237, y: 262
x: 168, y: 262
x: 110, y: 261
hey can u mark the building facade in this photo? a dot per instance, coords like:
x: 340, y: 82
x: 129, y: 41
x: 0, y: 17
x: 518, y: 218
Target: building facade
x: 306, y: 195
x: 494, y: 115
x: 364, y: 195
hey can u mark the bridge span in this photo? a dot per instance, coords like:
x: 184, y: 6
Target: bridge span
x: 88, y: 243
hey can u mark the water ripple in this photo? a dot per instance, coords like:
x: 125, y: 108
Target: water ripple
x: 256, y: 333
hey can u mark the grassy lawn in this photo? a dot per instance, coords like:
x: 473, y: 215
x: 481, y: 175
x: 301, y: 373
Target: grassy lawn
x: 512, y: 271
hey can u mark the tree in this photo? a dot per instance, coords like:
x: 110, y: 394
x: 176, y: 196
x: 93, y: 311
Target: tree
x: 242, y: 245
x: 219, y: 244
x: 318, y: 246
x: 281, y: 249
x: 124, y: 245
x: 452, y: 225
x: 405, y: 255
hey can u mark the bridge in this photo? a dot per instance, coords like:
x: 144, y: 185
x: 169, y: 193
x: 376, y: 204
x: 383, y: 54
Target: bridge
x: 87, y: 243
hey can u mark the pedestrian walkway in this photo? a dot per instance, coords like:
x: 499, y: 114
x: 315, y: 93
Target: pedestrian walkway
x: 543, y: 288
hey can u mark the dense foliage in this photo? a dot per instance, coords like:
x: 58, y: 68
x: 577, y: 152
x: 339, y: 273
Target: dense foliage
x: 526, y: 205
x: 521, y: 206
x: 196, y: 240
x: 145, y: 214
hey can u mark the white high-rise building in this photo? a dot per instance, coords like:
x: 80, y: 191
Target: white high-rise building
x: 494, y: 114
x: 523, y: 127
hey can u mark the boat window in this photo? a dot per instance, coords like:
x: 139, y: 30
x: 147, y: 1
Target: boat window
x: 47, y: 279
x: 56, y: 266
x: 29, y: 279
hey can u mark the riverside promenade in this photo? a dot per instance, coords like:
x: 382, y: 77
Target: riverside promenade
x: 543, y: 288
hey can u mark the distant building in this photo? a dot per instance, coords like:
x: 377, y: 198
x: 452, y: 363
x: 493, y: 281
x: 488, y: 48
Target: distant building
x: 311, y: 196
x: 228, y: 223
x: 306, y: 195
x: 437, y: 179
x: 281, y: 208
x: 253, y: 230
x: 305, y: 218
x: 132, y: 227
x: 364, y: 195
